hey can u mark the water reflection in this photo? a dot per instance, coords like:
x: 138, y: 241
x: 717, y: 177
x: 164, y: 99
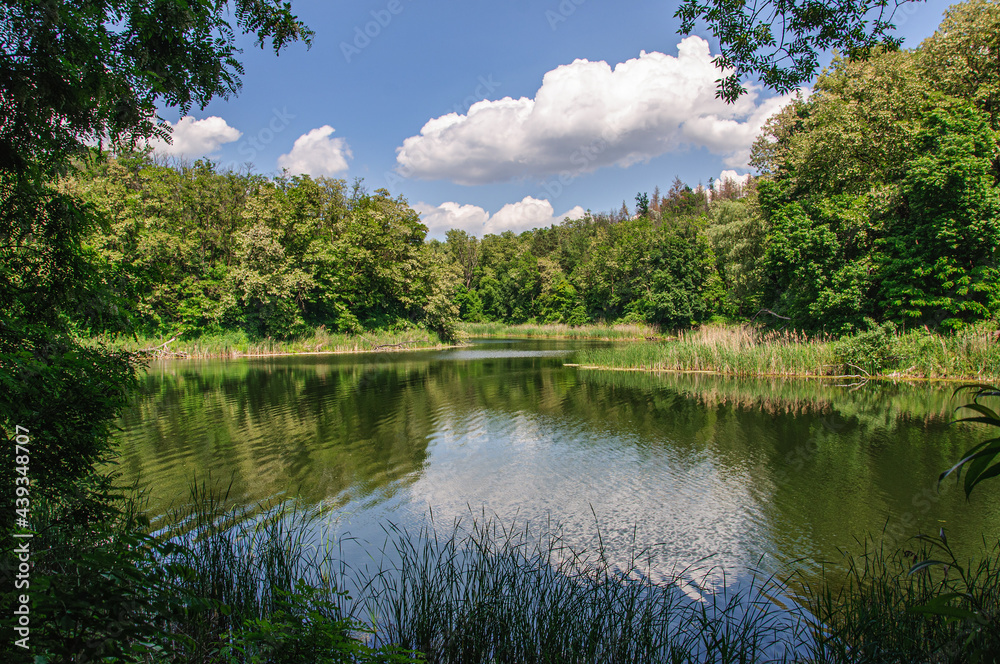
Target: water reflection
x: 738, y: 470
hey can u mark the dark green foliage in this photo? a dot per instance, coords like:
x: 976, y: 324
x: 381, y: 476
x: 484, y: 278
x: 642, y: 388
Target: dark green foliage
x: 870, y: 350
x: 881, y: 202
x: 980, y: 462
x: 939, y: 252
x: 94, y: 70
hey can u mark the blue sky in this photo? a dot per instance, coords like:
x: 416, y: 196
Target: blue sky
x: 491, y: 115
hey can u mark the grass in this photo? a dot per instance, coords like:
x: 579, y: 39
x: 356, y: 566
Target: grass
x: 239, y: 344
x: 596, y: 332
x: 490, y: 593
x: 871, y: 617
x: 882, y: 352
x: 477, y: 592
x: 493, y: 593
x: 264, y: 585
x: 738, y: 351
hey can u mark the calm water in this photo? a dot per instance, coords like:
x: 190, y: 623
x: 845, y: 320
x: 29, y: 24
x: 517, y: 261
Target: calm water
x: 748, y: 473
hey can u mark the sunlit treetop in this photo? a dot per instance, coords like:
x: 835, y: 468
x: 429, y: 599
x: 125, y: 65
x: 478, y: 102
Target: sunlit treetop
x: 779, y: 41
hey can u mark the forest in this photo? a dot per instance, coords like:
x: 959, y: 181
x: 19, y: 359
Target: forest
x: 877, y: 202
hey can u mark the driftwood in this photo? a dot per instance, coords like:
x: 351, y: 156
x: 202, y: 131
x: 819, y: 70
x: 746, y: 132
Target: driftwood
x: 161, y: 350
x: 768, y: 311
x: 399, y: 345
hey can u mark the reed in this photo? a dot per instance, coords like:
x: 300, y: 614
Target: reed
x: 489, y: 593
x: 477, y: 593
x: 870, y: 617
x: 738, y: 351
x: 595, y: 332
x: 483, y: 591
x: 972, y: 353
x: 239, y: 344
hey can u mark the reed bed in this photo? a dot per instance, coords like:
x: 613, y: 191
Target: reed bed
x: 490, y: 593
x: 969, y: 354
x: 870, y: 617
x: 483, y: 591
x: 595, y: 332
x: 738, y: 351
x: 239, y: 344
x: 476, y: 593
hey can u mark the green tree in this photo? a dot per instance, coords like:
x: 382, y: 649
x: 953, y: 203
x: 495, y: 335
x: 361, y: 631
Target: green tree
x: 73, y: 72
x: 961, y: 55
x: 779, y: 42
x: 939, y: 255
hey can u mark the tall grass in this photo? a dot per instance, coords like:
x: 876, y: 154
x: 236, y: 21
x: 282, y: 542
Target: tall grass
x: 489, y: 593
x: 971, y: 353
x: 486, y: 592
x: 238, y: 344
x: 476, y: 593
x: 596, y: 332
x: 739, y: 351
x: 870, y: 618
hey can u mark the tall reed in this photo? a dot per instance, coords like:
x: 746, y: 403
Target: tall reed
x: 238, y: 344
x: 596, y: 332
x: 739, y: 351
x: 970, y: 353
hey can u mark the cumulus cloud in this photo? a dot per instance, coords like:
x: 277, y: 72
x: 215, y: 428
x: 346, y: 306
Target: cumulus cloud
x: 732, y: 175
x: 196, y: 138
x: 317, y: 153
x: 587, y: 115
x: 525, y: 214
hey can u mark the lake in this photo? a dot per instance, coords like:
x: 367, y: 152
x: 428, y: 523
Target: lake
x: 704, y: 471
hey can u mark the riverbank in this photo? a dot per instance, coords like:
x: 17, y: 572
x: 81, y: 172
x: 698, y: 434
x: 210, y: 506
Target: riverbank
x: 239, y: 344
x: 593, y: 332
x: 881, y: 353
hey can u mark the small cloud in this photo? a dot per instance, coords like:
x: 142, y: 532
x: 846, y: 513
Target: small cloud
x: 195, y: 138
x: 523, y: 215
x: 316, y: 153
x: 731, y: 175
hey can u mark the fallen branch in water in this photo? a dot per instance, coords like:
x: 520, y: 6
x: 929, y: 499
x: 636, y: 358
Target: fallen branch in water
x: 156, y: 348
x: 399, y: 345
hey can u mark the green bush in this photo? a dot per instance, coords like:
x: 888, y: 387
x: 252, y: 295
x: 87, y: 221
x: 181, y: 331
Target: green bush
x: 872, y: 350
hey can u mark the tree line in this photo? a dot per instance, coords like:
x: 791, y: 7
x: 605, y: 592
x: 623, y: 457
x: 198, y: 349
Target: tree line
x: 878, y: 202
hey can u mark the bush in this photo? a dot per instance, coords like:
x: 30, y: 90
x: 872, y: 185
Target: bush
x: 872, y: 350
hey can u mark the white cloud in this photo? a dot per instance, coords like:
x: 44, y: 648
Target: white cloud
x: 517, y: 217
x: 587, y: 115
x: 196, y: 138
x: 316, y: 153
x: 731, y: 175
x: 444, y: 217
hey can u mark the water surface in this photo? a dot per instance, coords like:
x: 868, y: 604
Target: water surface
x: 704, y: 470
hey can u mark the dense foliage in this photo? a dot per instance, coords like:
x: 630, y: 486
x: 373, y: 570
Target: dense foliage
x: 656, y: 267
x: 199, y: 251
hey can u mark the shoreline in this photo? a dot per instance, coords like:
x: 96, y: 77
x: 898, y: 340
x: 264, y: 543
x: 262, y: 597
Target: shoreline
x: 184, y: 355
x: 861, y: 379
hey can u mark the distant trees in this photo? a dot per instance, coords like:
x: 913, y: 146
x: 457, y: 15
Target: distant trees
x: 654, y: 266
